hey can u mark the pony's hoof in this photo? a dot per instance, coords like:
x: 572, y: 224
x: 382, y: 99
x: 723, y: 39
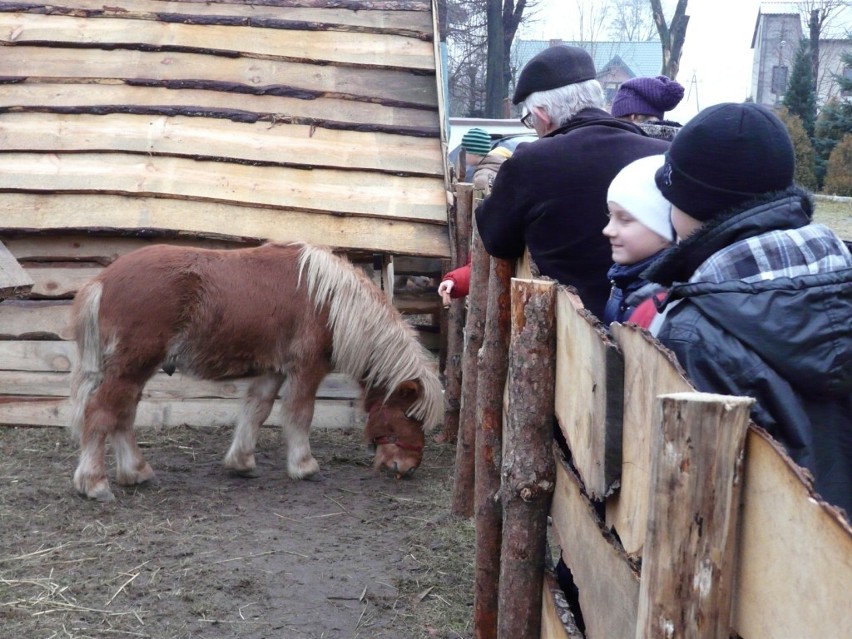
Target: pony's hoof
x: 317, y: 476
x: 136, y: 478
x: 245, y: 473
x: 304, y: 469
x: 103, y: 495
x: 97, y: 490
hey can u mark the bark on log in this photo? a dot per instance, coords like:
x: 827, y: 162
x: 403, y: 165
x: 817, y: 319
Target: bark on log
x: 528, y: 467
x: 463, y: 484
x: 460, y: 225
x: 696, y: 475
x: 493, y: 365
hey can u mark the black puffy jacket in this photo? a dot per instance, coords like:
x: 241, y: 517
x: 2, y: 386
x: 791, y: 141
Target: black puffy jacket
x: 787, y: 342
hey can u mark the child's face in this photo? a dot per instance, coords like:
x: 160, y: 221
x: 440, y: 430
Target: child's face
x: 631, y: 240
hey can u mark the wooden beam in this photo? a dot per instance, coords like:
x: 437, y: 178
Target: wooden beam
x: 326, y: 110
x: 607, y: 582
x: 345, y: 192
x: 688, y: 566
x: 391, y: 16
x: 25, y: 319
x: 287, y: 40
x: 649, y: 370
x: 794, y: 568
x: 161, y: 386
x: 41, y: 250
x: 14, y: 280
x: 70, y: 212
x: 557, y: 621
x: 299, y: 145
x: 216, y: 413
x: 590, y: 394
x: 244, y: 75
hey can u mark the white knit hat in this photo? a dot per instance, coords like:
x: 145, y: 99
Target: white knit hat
x: 634, y: 190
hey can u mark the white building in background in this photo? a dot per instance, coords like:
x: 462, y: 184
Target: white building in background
x: 777, y: 34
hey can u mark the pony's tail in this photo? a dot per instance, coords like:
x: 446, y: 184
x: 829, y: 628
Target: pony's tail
x: 87, y: 373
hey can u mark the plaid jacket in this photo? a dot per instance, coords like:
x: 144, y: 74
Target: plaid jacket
x: 764, y: 309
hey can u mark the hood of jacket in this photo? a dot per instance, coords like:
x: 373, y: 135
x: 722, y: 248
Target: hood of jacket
x: 789, y: 209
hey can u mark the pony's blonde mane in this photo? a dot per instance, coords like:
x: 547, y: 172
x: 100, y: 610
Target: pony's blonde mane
x: 371, y: 341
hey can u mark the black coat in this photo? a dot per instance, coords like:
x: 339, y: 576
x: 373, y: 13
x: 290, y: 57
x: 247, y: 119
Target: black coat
x: 787, y: 342
x: 550, y: 196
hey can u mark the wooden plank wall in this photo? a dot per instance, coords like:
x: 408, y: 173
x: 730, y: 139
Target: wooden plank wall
x: 794, y: 563
x: 313, y: 120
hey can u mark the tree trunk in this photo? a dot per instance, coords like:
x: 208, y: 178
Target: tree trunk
x: 814, y: 30
x: 672, y: 36
x: 463, y: 484
x: 493, y: 365
x: 460, y: 224
x: 529, y: 472
x: 495, y: 90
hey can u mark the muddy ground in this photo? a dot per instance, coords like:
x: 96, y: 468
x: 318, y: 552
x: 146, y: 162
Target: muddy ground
x: 206, y: 554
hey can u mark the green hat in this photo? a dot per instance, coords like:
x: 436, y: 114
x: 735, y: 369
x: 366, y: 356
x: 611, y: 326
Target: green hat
x: 477, y: 141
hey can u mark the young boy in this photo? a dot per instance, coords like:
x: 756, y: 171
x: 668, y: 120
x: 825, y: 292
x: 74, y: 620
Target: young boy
x: 639, y: 230
x: 759, y: 299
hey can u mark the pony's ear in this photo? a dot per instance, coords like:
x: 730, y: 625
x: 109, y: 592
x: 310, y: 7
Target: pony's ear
x: 409, y: 388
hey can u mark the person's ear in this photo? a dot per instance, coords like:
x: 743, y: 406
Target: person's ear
x: 543, y: 117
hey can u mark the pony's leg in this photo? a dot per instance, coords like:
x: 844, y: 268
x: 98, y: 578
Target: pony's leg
x: 298, y: 411
x: 111, y: 407
x: 130, y: 465
x: 256, y: 408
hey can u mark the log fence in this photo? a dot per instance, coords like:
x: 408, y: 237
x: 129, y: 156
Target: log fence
x: 676, y: 516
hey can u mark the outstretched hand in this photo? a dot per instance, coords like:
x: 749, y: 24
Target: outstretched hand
x: 444, y: 289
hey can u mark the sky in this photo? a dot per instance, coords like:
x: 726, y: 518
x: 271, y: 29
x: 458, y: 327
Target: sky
x: 716, y: 63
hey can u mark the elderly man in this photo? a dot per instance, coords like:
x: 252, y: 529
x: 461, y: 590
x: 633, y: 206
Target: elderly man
x: 550, y: 195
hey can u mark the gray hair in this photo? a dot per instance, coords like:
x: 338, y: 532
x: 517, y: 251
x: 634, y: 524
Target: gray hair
x: 564, y: 103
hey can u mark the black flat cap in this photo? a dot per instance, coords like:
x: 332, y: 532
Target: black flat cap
x: 555, y: 67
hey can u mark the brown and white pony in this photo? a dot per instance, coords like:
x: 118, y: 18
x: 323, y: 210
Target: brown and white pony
x: 283, y: 314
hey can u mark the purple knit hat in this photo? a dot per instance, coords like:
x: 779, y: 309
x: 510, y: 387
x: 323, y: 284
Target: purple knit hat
x: 647, y: 96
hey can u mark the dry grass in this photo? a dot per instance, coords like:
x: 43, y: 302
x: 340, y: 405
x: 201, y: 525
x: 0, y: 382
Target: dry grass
x: 836, y: 214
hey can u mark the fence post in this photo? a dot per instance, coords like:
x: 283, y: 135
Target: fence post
x: 491, y: 384
x: 696, y: 476
x: 528, y: 466
x: 460, y: 228
x: 463, y: 483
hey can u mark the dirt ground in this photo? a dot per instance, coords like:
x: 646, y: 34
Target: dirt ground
x: 205, y: 554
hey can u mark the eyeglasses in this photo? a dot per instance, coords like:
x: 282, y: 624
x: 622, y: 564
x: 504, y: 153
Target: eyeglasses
x: 527, y: 120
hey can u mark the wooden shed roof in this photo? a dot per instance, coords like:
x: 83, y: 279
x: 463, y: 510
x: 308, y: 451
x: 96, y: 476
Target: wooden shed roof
x: 281, y: 119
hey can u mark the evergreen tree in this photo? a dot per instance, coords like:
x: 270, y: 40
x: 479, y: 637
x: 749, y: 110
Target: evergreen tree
x: 803, y: 149
x: 800, y: 98
x: 835, y: 121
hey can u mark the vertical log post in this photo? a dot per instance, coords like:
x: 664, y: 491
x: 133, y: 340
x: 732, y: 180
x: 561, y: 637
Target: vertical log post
x: 460, y: 246
x: 493, y: 366
x: 529, y: 473
x: 690, y: 546
x: 463, y: 482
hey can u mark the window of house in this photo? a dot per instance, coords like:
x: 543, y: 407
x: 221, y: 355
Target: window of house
x: 779, y: 80
x: 610, y: 89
